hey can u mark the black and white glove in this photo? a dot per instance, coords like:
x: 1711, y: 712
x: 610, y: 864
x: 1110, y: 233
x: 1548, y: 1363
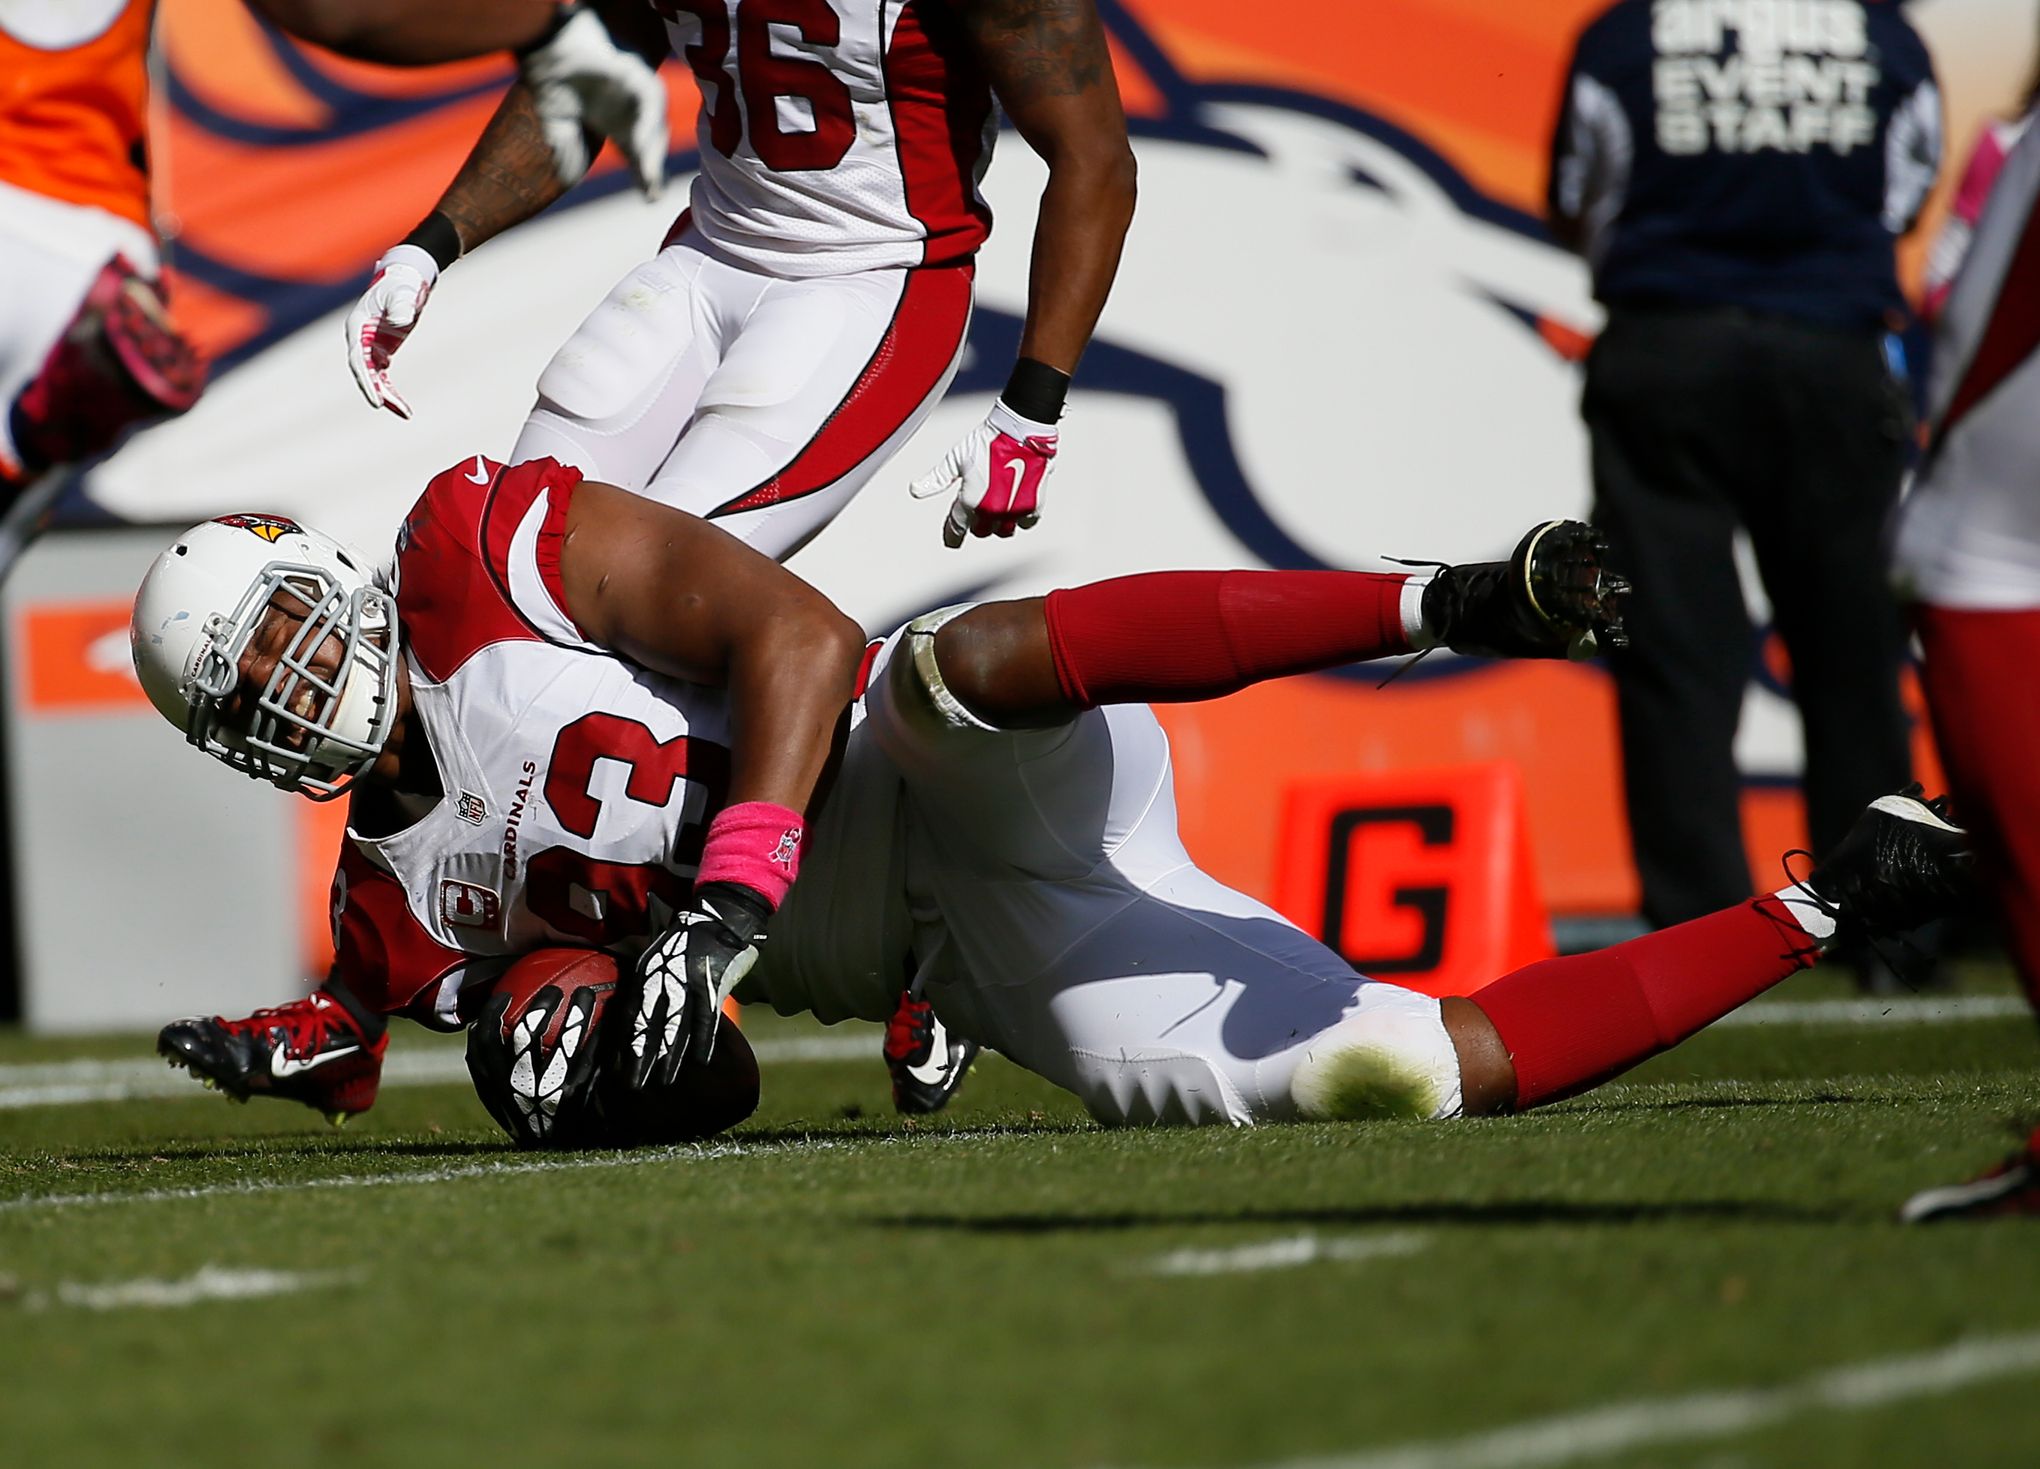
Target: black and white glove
x: 685, y: 976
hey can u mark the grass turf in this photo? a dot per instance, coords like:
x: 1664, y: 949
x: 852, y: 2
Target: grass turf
x: 830, y: 1286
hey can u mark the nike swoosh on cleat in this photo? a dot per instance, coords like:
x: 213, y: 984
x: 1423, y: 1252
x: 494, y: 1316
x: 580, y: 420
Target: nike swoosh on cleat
x: 1905, y: 808
x: 284, y: 1067
x: 935, y: 1070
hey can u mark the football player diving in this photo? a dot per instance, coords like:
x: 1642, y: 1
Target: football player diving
x: 575, y: 717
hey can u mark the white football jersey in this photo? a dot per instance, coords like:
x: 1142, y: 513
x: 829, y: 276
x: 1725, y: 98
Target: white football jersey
x: 835, y: 135
x: 576, y: 787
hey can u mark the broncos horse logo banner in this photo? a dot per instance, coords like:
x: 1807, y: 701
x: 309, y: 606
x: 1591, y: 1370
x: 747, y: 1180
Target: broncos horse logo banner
x: 1340, y: 332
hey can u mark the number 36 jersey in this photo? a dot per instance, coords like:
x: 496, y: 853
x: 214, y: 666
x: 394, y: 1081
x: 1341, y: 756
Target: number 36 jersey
x: 576, y: 787
x: 835, y: 135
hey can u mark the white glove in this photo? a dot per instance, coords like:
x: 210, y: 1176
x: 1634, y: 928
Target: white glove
x: 383, y: 318
x: 997, y: 473
x: 581, y: 79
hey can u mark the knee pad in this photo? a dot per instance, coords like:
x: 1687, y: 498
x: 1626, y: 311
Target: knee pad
x: 617, y: 362
x: 1391, y: 1058
x: 1149, y: 1088
x: 120, y: 362
x: 933, y: 692
x: 910, y: 708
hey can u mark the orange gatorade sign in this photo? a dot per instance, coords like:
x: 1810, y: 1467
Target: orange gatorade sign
x: 1420, y: 876
x: 76, y: 659
x: 74, y: 89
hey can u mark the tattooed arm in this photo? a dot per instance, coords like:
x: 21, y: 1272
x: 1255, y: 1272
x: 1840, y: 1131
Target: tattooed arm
x: 575, y: 79
x: 508, y: 176
x: 1049, y: 67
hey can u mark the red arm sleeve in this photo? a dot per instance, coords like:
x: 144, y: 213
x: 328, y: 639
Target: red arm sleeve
x: 380, y: 950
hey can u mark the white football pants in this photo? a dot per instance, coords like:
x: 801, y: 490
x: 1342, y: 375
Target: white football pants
x: 761, y: 403
x: 1057, y: 919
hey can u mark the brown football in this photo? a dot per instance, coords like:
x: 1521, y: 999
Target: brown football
x: 584, y: 1102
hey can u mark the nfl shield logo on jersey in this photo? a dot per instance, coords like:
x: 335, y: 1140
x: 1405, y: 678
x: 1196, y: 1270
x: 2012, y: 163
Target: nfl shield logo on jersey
x: 468, y: 904
x: 472, y: 808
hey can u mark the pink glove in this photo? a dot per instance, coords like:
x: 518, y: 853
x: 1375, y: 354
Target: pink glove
x: 382, y: 319
x: 996, y: 473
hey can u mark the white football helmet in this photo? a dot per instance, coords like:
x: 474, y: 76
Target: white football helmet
x: 197, y: 610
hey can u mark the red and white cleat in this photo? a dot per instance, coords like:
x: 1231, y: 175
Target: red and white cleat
x: 311, y: 1051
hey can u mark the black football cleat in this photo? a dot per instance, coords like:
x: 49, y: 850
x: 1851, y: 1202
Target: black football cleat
x: 1902, y: 864
x: 2010, y: 1190
x: 927, y: 1063
x: 1553, y: 598
x: 311, y: 1051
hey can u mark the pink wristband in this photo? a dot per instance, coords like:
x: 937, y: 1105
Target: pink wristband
x: 757, y: 844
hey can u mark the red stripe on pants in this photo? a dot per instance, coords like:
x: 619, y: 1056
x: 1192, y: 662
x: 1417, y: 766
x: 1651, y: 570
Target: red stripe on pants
x: 919, y: 344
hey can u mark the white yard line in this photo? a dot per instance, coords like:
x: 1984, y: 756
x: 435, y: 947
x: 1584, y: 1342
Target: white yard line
x: 208, y: 1283
x: 69, y: 1083
x: 1571, y: 1438
x: 1282, y: 1254
x: 454, y: 1173
x: 1934, y: 1010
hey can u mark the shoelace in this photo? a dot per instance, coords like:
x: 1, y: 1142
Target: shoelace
x: 304, y: 1025
x: 1833, y: 910
x: 910, y: 1031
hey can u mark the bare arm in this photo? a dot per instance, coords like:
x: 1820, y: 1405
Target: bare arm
x: 675, y: 594
x: 1048, y: 63
x: 406, y: 33
x: 508, y: 176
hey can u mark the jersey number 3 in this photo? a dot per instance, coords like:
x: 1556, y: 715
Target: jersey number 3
x: 602, y: 902
x: 776, y: 88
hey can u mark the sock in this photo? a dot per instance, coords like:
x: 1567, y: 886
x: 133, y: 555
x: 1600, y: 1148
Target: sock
x: 1571, y: 1023
x: 1175, y: 636
x: 1985, y: 725
x: 372, y: 1025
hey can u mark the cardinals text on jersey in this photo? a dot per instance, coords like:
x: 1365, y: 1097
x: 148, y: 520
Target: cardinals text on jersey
x: 575, y: 787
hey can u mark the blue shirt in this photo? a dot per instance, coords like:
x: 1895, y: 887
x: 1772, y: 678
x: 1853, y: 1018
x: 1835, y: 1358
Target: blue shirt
x: 1768, y: 164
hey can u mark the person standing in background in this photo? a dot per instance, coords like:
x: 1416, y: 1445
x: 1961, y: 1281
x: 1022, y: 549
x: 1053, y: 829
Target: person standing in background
x: 1736, y: 182
x: 1967, y: 558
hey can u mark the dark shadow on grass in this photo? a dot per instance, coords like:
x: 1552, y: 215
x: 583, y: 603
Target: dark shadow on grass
x: 890, y: 1131
x: 1591, y: 1105
x: 1511, y: 1212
